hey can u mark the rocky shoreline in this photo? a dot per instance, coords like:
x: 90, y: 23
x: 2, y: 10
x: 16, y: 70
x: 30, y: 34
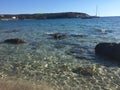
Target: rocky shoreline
x: 58, y: 71
x: 107, y: 50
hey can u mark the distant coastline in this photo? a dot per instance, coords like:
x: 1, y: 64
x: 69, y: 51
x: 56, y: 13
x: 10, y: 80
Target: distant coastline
x: 46, y: 16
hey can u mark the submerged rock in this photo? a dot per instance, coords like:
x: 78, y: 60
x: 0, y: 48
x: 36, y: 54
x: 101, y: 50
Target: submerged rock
x: 58, y: 35
x: 14, y: 41
x: 11, y: 31
x: 64, y: 35
x: 63, y: 68
x: 81, y: 52
x: 85, y: 71
x: 109, y: 50
x: 78, y: 35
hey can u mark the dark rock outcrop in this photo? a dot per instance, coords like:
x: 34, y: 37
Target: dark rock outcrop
x: 14, y: 41
x: 58, y: 35
x: 109, y: 50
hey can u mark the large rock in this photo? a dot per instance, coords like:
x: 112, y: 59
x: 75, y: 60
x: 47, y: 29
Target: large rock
x: 14, y: 41
x: 109, y: 50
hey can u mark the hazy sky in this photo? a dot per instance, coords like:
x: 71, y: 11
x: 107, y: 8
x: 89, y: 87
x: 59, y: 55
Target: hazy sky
x: 105, y: 7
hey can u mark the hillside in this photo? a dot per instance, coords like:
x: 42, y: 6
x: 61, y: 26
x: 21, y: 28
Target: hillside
x: 45, y: 16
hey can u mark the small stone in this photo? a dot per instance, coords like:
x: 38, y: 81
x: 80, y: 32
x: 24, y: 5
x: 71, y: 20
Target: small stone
x: 46, y: 65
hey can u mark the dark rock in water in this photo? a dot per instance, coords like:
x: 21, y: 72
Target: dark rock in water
x: 58, y: 35
x: 78, y: 35
x: 109, y: 50
x: 63, y: 35
x: 14, y: 41
x: 75, y: 51
x: 81, y: 52
x: 85, y: 71
x: 11, y: 31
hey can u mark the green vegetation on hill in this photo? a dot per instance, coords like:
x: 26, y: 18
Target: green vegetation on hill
x: 46, y: 16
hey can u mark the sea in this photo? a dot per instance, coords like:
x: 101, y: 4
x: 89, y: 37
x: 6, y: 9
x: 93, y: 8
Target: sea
x: 68, y: 63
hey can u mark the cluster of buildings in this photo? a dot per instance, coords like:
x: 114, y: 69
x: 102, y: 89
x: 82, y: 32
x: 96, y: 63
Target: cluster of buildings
x: 2, y: 17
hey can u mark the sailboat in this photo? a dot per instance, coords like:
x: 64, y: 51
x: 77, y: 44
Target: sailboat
x: 90, y: 17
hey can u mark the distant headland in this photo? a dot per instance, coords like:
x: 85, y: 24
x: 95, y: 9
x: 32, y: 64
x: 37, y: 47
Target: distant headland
x: 45, y: 16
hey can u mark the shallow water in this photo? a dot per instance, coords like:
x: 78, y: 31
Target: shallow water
x: 66, y: 63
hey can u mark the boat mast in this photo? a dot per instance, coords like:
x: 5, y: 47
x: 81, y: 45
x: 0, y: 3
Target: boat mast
x: 96, y: 10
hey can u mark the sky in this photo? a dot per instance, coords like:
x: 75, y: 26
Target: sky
x: 104, y: 7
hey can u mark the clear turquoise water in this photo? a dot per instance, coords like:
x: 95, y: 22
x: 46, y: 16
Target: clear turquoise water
x: 44, y: 58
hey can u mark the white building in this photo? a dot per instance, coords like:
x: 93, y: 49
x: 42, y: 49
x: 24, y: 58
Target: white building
x: 14, y: 18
